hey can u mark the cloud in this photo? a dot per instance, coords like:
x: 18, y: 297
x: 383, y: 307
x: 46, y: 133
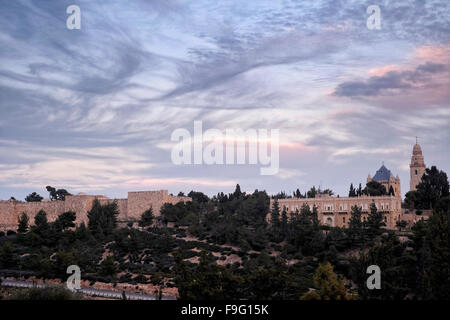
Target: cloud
x: 105, y: 99
x: 391, y: 81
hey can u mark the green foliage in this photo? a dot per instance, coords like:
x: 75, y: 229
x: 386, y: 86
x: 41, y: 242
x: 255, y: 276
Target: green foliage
x: 7, y: 256
x: 199, y: 197
x: 374, y: 221
x: 375, y: 189
x: 397, y: 270
x: 208, y: 281
x: 41, y: 225
x: 355, y: 226
x: 312, y: 192
x: 328, y: 285
x: 146, y: 218
x: 46, y: 293
x: 102, y: 218
x: 109, y: 267
x: 432, y: 246
x: 23, y: 223
x: 33, y: 197
x: 66, y: 220
x: 352, y: 191
x: 57, y: 194
x: 275, y: 216
x: 64, y: 259
x: 433, y: 187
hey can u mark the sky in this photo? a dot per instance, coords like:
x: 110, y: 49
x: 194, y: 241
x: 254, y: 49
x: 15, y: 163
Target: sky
x: 93, y: 110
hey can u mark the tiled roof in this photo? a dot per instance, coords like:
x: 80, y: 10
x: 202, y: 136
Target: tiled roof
x: 382, y: 174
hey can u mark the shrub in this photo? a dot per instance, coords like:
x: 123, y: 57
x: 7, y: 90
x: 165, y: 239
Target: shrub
x: 47, y: 293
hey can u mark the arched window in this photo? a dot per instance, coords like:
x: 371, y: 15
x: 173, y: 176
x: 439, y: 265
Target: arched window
x: 416, y: 171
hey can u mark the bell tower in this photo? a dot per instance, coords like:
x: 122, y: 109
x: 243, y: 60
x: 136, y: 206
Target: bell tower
x: 417, y: 167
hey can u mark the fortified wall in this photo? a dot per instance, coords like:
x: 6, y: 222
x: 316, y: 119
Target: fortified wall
x: 130, y: 209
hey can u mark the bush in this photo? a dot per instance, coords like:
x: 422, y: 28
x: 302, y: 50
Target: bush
x: 47, y: 293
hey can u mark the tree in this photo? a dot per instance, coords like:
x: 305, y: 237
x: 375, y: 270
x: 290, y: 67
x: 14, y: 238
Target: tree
x: 7, y: 258
x: 275, y: 215
x: 237, y: 192
x: 374, y: 221
x: 284, y: 222
x: 397, y: 265
x: 102, y: 218
x: 355, y: 225
x: 40, y: 219
x: 66, y: 220
x: 352, y: 192
x: 33, y: 197
x: 207, y: 281
x: 359, y: 193
x: 52, y: 193
x: 109, y: 267
x: 61, y: 194
x: 146, y: 218
x: 57, y: 194
x: 23, y: 223
x: 432, y: 246
x: 298, y: 194
x: 41, y: 226
x: 401, y: 225
x: 199, y: 197
x: 328, y: 285
x: 326, y: 191
x: 47, y: 293
x: 374, y: 188
x: 433, y: 186
x: 312, y: 192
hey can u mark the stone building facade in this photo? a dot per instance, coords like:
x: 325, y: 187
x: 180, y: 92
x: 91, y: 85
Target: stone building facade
x: 336, y: 211
x: 130, y: 209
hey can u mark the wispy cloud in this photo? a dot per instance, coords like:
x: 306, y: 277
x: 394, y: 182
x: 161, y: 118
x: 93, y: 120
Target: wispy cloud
x: 104, y: 100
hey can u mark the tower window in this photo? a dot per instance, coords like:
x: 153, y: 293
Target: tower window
x: 416, y: 171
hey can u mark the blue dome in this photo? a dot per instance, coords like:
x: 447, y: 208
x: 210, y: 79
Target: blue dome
x: 382, y: 174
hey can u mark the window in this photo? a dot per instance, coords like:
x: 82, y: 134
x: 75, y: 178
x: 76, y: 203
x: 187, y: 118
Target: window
x: 343, y: 219
x: 330, y: 222
x: 416, y: 172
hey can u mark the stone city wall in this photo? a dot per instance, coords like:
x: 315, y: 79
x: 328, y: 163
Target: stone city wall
x: 129, y: 209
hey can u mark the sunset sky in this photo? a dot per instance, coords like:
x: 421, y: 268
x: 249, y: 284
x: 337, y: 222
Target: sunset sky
x: 93, y: 110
